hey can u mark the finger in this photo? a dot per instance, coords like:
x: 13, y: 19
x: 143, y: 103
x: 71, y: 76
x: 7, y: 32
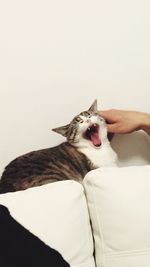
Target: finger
x: 107, y: 115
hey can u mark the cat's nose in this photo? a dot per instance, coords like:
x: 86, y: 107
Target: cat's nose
x: 88, y: 120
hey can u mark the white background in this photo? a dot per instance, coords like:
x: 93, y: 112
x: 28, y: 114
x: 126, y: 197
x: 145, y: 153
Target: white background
x: 56, y: 57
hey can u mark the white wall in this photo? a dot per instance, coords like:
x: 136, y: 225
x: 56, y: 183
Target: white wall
x: 58, y: 56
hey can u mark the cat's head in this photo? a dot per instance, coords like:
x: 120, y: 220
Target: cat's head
x: 86, y: 129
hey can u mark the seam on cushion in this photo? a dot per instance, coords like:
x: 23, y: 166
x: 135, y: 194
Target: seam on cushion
x: 89, y: 256
x: 100, y: 230
x: 89, y: 228
x: 129, y: 253
x: 84, y: 264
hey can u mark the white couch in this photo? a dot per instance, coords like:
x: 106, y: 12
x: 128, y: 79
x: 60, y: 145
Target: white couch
x: 115, y: 200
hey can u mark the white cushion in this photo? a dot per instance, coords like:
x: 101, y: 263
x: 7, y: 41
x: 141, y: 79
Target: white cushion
x: 56, y: 213
x: 119, y: 204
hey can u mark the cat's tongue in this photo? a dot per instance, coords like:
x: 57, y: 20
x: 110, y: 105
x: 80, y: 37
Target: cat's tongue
x: 92, y: 134
x: 95, y: 139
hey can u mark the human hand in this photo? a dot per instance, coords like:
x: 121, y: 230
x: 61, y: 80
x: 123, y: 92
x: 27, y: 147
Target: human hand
x: 122, y: 121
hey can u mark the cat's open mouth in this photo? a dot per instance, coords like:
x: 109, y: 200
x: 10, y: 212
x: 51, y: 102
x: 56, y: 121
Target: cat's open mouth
x: 92, y: 133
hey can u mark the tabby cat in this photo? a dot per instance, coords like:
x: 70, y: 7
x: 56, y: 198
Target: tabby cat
x: 87, y: 148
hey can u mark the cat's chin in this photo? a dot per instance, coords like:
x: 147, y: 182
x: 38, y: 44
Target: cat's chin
x: 97, y: 146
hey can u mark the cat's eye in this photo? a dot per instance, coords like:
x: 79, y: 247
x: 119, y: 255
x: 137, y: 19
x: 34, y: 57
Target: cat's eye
x: 101, y: 119
x: 77, y: 119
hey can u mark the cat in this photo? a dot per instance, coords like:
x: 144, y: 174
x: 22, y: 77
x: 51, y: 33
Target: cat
x: 20, y: 248
x: 87, y: 148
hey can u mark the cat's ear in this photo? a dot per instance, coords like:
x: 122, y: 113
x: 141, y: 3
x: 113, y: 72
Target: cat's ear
x: 62, y: 130
x: 94, y: 106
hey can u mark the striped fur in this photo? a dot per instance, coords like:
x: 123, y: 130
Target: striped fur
x: 62, y: 162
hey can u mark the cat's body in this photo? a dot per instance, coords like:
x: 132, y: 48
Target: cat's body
x: 87, y: 148
x: 62, y: 162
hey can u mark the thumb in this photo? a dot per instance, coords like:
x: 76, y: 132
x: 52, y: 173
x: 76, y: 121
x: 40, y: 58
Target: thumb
x: 103, y: 113
x: 113, y: 128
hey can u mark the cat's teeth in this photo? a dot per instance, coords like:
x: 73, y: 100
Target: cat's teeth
x: 94, y: 124
x: 89, y: 128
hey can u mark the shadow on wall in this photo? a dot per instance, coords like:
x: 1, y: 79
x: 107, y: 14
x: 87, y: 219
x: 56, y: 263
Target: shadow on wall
x: 132, y: 149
